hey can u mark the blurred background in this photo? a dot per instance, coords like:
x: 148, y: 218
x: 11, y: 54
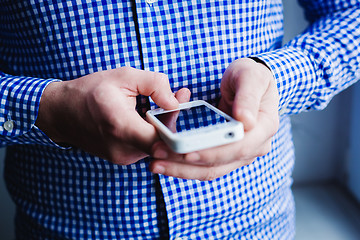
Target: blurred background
x: 326, y: 179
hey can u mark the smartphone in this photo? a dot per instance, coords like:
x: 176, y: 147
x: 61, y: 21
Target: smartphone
x: 195, y: 126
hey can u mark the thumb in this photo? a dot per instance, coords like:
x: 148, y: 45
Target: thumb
x: 245, y: 108
x: 183, y: 95
x: 245, y: 84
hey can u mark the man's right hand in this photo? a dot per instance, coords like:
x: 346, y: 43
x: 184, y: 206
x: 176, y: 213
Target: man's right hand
x: 97, y: 112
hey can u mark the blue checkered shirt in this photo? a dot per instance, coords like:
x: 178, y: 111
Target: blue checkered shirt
x: 69, y: 194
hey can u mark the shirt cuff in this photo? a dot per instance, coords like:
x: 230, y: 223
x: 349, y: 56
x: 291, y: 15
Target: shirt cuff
x: 294, y: 74
x: 19, y: 99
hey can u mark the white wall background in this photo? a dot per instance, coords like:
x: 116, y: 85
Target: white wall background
x: 321, y: 138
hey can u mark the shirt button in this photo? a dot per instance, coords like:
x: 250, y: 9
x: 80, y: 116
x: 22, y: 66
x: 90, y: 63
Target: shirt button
x: 150, y: 1
x: 9, y: 125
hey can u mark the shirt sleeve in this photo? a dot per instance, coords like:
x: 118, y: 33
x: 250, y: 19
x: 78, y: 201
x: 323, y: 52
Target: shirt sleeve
x: 19, y: 100
x: 320, y: 62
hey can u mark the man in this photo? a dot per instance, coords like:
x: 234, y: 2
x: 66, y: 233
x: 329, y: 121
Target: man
x: 75, y: 162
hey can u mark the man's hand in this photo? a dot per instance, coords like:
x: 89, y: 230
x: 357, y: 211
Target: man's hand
x: 250, y: 95
x: 97, y: 112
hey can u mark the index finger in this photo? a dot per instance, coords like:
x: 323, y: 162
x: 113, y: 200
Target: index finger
x: 157, y: 86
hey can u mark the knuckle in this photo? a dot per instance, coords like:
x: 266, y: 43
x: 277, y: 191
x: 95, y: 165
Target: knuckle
x: 210, y: 174
x: 126, y: 70
x: 98, y: 95
x: 161, y: 79
x: 249, y: 161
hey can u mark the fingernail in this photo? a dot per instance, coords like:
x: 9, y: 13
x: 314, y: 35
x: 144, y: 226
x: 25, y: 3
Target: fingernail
x: 194, y: 156
x: 159, y: 169
x: 160, y: 153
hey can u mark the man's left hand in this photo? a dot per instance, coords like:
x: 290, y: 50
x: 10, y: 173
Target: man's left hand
x: 249, y: 94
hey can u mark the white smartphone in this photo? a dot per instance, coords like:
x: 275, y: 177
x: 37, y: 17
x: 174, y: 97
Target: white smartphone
x: 195, y: 126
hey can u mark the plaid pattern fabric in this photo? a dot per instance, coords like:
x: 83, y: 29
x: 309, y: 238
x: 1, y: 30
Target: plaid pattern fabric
x: 69, y: 194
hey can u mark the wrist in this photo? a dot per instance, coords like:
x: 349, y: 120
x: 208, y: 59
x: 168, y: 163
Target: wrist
x: 49, y: 111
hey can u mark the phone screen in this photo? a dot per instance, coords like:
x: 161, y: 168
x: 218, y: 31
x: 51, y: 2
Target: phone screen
x: 190, y: 118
